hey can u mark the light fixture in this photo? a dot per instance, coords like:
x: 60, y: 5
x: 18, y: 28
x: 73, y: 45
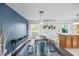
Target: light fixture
x: 41, y: 20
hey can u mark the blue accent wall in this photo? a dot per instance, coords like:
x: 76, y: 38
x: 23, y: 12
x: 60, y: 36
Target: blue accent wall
x: 14, y: 25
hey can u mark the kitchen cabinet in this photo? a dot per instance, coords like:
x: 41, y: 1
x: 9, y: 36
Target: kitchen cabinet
x: 62, y: 41
x: 78, y: 41
x: 75, y: 41
x: 69, y: 41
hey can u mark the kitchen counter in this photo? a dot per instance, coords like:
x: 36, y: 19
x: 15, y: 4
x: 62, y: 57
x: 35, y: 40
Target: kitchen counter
x: 68, y: 33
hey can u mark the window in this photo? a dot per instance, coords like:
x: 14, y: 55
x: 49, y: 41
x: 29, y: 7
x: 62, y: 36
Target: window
x: 34, y: 30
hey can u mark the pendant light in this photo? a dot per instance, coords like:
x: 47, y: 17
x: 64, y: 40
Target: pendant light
x: 41, y: 20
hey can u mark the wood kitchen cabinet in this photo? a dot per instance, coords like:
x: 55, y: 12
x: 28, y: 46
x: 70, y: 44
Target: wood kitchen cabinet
x: 78, y: 41
x: 75, y: 41
x: 62, y: 41
x: 69, y: 41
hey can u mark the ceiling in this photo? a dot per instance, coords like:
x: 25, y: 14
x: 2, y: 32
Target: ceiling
x: 52, y: 11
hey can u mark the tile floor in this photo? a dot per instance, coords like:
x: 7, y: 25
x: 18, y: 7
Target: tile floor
x: 75, y: 51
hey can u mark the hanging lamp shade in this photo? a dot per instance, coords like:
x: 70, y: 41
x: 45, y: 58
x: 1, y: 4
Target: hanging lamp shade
x: 41, y: 20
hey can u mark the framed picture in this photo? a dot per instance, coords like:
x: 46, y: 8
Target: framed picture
x: 64, y: 28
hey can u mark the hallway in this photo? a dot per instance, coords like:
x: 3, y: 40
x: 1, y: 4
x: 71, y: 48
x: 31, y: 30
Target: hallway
x: 39, y: 29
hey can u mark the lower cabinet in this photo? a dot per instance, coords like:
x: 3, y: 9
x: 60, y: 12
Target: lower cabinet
x: 69, y: 41
x: 78, y: 42
x: 62, y: 41
x: 75, y: 41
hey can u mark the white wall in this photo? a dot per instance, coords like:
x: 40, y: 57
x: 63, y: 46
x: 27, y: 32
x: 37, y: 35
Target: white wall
x: 56, y: 11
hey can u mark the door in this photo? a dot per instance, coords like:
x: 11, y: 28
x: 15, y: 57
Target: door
x: 75, y: 42
x: 62, y: 41
x: 68, y: 42
x: 78, y: 40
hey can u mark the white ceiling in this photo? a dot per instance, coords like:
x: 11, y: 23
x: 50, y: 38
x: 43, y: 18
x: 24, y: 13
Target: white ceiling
x: 53, y: 11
